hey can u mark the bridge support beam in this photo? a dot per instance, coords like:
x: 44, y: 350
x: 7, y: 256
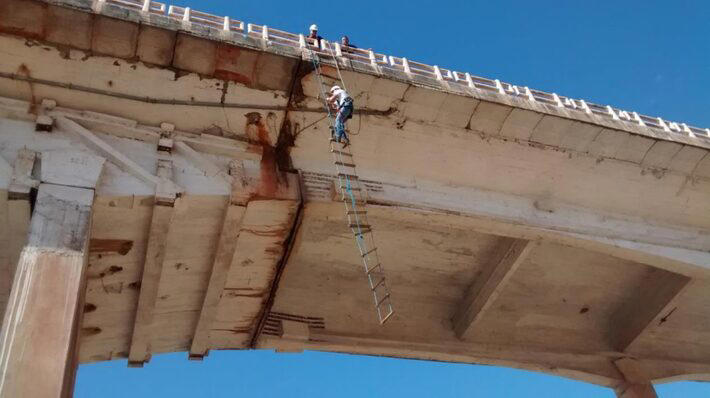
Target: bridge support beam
x: 509, y: 254
x: 38, y: 343
x: 636, y: 384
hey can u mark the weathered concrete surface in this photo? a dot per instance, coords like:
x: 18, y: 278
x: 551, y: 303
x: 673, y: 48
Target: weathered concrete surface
x: 609, y: 208
x: 41, y: 326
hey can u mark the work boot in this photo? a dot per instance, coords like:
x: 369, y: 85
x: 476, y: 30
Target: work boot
x: 346, y: 143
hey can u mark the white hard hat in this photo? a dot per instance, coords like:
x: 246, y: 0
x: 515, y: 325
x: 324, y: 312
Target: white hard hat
x: 334, y: 88
x: 314, y: 27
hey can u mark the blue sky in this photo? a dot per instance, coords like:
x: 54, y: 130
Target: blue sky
x: 650, y: 56
x: 314, y: 375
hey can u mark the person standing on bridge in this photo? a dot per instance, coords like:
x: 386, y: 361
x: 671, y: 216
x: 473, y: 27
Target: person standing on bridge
x: 345, y: 44
x: 341, y: 101
x: 313, y: 37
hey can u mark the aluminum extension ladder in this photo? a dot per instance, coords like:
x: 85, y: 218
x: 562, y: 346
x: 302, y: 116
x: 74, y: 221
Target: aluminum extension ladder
x: 354, y: 195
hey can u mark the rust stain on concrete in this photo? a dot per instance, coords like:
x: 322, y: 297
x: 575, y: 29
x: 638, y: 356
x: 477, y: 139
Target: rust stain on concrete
x: 284, y: 143
x: 90, y: 331
x: 329, y: 72
x: 23, y: 70
x: 120, y: 246
x: 233, y: 76
x: 13, y: 13
x: 297, y: 95
x: 226, y: 59
x: 257, y: 131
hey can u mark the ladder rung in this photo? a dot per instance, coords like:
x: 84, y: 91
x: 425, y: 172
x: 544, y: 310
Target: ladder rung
x: 387, y: 317
x: 385, y: 297
x: 347, y: 192
x: 349, y: 197
x: 378, y: 284
x: 369, y: 252
x: 350, y: 200
x: 341, y: 152
x: 369, y: 270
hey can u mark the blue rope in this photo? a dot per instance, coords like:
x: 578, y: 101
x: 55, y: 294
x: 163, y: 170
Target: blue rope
x: 352, y: 201
x: 348, y: 186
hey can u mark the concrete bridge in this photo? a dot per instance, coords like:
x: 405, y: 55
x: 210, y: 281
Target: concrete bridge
x: 167, y: 185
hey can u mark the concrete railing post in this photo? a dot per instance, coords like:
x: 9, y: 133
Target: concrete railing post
x: 302, y: 41
x: 611, y: 112
x: 687, y: 130
x: 265, y: 34
x: 638, y: 119
x: 499, y: 86
x: 558, y: 101
x: 663, y: 124
x: 146, y: 6
x: 585, y: 107
x: 674, y: 127
x: 469, y: 81
x: 437, y: 73
x: 405, y: 66
x: 529, y: 94
x: 99, y: 5
x: 186, y: 18
x: 373, y: 60
x: 227, y: 25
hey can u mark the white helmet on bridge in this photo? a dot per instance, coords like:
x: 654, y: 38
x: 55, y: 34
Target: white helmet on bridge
x: 314, y: 27
x: 334, y: 88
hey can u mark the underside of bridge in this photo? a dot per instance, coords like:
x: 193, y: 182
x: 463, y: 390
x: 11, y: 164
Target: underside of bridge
x: 190, y: 176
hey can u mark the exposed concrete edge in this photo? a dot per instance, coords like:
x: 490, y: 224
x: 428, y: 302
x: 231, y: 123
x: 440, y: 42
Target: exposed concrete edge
x: 288, y: 248
x: 470, y: 353
x: 233, y: 38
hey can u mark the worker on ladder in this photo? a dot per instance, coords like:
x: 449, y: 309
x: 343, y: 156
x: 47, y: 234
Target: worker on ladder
x: 342, y: 103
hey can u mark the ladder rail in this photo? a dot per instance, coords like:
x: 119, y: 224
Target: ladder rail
x: 348, y: 184
x: 362, y: 220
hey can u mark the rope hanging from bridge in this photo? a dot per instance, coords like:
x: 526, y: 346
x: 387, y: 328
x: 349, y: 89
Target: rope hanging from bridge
x: 353, y: 195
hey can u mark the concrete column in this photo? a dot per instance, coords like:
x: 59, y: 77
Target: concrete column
x: 636, y: 383
x: 38, y: 343
x: 636, y: 391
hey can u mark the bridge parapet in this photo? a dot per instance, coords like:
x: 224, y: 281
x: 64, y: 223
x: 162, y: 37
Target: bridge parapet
x: 401, y: 68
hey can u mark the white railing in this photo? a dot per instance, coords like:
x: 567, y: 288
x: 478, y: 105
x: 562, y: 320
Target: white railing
x: 361, y: 58
x: 188, y: 17
x: 152, y: 7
